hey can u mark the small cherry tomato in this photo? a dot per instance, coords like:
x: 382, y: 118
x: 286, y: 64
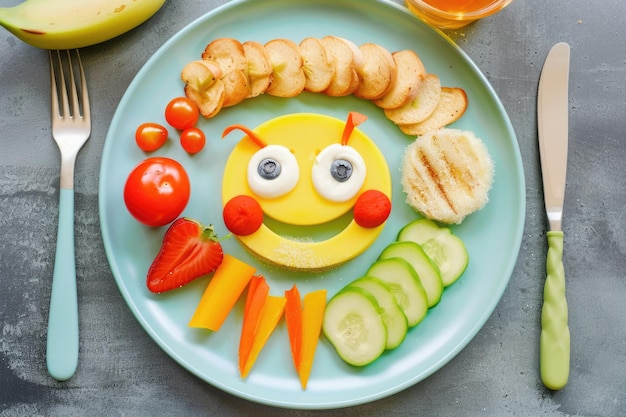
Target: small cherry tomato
x: 181, y: 113
x: 192, y: 140
x: 150, y: 136
x: 243, y: 215
x: 156, y: 191
x: 371, y: 209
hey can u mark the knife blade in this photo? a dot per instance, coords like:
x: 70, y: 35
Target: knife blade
x: 552, y: 124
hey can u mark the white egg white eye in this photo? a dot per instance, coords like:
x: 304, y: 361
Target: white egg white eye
x: 273, y: 171
x: 338, y: 172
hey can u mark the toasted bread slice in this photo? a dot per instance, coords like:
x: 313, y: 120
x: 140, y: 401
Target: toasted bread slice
x: 346, y: 58
x: 377, y: 72
x: 451, y: 106
x: 317, y: 65
x: 229, y: 54
x: 447, y: 174
x: 422, y: 105
x: 209, y: 100
x: 409, y: 72
x: 259, y: 68
x: 200, y: 74
x: 288, y: 77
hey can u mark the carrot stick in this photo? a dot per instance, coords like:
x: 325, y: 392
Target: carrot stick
x: 293, y: 317
x: 257, y: 294
x: 270, y: 315
x: 226, y: 286
x: 354, y: 119
x: 249, y: 132
x: 312, y: 317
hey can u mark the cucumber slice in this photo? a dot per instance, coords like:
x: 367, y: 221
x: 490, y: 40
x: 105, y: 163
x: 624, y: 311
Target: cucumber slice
x: 446, y: 250
x: 425, y: 268
x: 392, y: 315
x: 402, y: 281
x: 353, y: 324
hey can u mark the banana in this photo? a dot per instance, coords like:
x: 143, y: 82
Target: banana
x: 69, y: 24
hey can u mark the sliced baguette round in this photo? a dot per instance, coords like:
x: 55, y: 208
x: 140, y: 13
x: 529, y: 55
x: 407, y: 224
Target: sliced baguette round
x: 421, y: 106
x: 229, y: 54
x: 377, y: 72
x: 209, y: 100
x: 409, y: 72
x: 447, y: 174
x: 451, y: 106
x: 346, y: 58
x: 200, y: 74
x: 258, y: 69
x: 287, y: 78
x: 317, y: 65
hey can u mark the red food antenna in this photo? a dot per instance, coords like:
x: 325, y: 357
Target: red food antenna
x: 354, y: 119
x: 253, y: 136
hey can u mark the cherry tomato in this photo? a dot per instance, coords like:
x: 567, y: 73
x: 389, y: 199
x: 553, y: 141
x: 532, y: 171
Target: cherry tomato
x: 156, y: 191
x: 150, y: 136
x: 192, y: 140
x: 182, y: 113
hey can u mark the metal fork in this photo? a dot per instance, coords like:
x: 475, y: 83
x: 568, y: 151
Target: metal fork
x: 71, y: 127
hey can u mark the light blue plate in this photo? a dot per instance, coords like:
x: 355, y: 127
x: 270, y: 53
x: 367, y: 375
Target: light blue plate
x: 492, y: 235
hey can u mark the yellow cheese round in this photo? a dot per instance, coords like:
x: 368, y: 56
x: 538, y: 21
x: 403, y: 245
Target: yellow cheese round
x: 306, y: 134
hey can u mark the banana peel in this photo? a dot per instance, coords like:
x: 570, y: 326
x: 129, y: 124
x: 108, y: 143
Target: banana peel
x: 69, y: 24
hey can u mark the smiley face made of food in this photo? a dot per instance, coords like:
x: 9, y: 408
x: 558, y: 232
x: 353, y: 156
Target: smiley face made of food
x: 300, y: 172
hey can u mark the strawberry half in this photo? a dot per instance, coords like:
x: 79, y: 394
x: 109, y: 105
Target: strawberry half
x: 189, y: 251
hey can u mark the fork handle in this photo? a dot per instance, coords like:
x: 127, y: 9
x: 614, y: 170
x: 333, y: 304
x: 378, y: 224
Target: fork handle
x: 62, y: 343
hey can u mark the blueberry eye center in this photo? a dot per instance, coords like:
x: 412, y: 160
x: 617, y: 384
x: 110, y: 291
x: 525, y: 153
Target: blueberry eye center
x: 269, y: 169
x: 341, y: 170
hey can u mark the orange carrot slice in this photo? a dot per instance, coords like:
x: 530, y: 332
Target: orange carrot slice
x: 226, y: 286
x: 314, y: 305
x: 354, y: 119
x: 269, y: 317
x: 293, y: 317
x: 249, y: 132
x: 257, y: 294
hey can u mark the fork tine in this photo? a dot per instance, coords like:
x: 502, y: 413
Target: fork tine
x: 53, y: 87
x: 83, y: 88
x: 68, y: 105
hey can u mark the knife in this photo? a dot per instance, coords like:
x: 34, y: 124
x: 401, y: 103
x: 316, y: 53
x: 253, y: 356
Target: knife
x: 552, y: 121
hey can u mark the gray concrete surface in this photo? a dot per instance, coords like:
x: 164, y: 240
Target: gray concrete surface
x: 122, y: 372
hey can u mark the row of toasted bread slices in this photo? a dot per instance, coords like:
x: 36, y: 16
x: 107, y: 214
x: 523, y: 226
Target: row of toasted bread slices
x: 231, y: 71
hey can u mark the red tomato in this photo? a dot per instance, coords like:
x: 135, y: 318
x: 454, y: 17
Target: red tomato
x: 150, y: 136
x: 182, y: 113
x: 192, y: 140
x: 156, y: 191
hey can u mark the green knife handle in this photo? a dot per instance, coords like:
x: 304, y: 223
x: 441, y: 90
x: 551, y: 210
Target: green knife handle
x: 554, y: 344
x: 62, y: 344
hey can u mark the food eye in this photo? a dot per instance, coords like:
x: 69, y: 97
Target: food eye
x: 269, y: 168
x: 338, y: 172
x: 272, y: 171
x: 341, y: 170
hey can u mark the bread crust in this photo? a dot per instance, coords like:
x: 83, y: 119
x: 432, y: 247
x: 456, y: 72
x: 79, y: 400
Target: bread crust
x: 229, y: 54
x: 409, y: 71
x: 316, y: 64
x: 258, y: 68
x: 451, y: 106
x: 422, y: 105
x: 377, y: 73
x: 345, y: 79
x: 287, y: 78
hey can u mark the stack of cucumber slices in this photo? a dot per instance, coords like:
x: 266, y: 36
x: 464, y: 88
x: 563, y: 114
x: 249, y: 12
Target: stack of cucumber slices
x: 374, y: 312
